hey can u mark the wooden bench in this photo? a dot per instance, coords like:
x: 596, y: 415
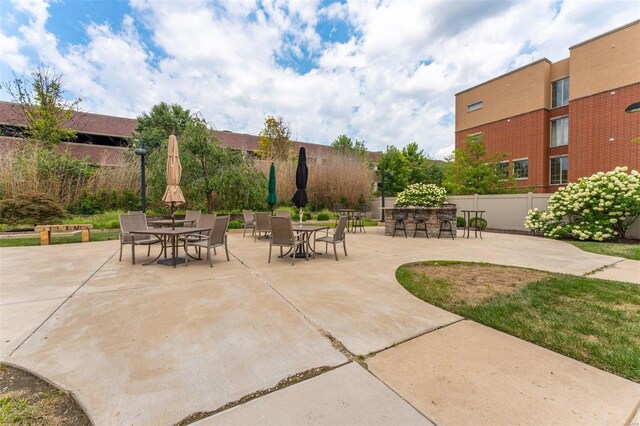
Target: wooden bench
x: 45, y: 231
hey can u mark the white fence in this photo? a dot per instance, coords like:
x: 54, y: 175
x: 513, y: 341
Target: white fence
x: 504, y: 211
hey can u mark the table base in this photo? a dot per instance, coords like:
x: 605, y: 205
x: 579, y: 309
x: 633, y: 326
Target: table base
x: 172, y: 262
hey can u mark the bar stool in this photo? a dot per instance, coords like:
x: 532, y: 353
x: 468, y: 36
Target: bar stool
x: 399, y: 216
x: 421, y: 216
x: 447, y: 215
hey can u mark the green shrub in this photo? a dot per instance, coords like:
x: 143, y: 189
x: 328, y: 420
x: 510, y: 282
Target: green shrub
x: 420, y: 194
x: 296, y: 216
x: 106, y: 220
x: 236, y: 224
x: 478, y: 222
x: 104, y: 200
x: 599, y: 207
x: 323, y: 216
x: 31, y: 208
x: 460, y: 223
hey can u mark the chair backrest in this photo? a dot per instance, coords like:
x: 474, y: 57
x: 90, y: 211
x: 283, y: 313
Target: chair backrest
x: 339, y: 234
x: 137, y: 221
x: 262, y: 221
x: 216, y: 235
x: 125, y: 223
x: 283, y: 213
x: 135, y: 212
x: 447, y: 212
x: 192, y: 215
x: 207, y: 221
x: 281, y: 230
x: 421, y: 214
x: 248, y: 216
x: 400, y: 214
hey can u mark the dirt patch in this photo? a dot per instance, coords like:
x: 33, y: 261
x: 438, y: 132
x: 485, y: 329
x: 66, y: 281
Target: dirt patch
x: 27, y: 400
x: 475, y: 283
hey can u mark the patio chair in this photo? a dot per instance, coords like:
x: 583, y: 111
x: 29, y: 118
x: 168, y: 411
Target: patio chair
x: 262, y: 224
x: 204, y: 221
x: 421, y: 216
x: 399, y: 216
x: 446, y: 216
x: 191, y: 217
x: 358, y: 219
x: 284, y: 213
x: 249, y: 222
x: 337, y: 237
x: 217, y: 237
x: 130, y: 222
x: 282, y: 236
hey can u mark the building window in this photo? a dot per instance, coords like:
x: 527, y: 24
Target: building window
x: 559, y: 170
x: 521, y: 169
x: 560, y: 93
x: 560, y: 131
x: 474, y: 106
x: 502, y: 169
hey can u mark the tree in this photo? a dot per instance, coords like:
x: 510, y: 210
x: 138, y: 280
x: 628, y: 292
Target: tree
x: 476, y: 172
x: 343, y: 145
x: 40, y: 100
x: 162, y: 120
x: 221, y: 176
x: 274, y: 143
x: 394, y: 161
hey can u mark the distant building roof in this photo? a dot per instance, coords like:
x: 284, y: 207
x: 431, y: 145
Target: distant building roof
x: 120, y: 127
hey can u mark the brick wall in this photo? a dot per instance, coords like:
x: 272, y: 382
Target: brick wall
x: 593, y: 122
x: 522, y: 136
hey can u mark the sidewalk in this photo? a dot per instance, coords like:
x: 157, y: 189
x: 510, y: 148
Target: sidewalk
x: 154, y: 345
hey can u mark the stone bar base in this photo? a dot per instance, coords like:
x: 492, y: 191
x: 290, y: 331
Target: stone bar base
x: 433, y: 226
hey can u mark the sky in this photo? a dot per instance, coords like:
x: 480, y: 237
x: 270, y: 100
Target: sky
x: 384, y: 72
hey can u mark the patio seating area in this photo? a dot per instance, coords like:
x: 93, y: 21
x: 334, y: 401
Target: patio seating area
x: 130, y: 342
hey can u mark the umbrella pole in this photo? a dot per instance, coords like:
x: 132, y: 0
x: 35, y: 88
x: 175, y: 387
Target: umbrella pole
x: 301, y: 214
x: 173, y: 215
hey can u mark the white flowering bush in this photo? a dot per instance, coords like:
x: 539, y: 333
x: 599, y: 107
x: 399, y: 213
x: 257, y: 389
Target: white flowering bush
x: 421, y: 194
x: 598, y: 208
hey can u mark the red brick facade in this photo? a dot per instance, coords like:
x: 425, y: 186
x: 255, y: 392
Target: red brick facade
x: 600, y: 135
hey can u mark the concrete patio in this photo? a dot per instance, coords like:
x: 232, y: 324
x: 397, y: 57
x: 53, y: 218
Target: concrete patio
x: 153, y: 345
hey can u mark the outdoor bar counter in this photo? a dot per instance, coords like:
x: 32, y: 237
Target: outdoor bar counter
x: 433, y: 224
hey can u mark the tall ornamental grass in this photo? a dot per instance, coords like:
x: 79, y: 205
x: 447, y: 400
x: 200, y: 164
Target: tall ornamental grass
x: 62, y: 177
x: 331, y: 180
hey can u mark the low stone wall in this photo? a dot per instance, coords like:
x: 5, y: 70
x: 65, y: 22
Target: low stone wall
x: 433, y: 226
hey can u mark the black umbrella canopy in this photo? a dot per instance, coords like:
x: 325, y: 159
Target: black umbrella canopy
x: 302, y: 173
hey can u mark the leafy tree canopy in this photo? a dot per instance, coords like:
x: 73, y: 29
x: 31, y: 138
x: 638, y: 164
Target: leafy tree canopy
x: 393, y: 161
x: 40, y: 99
x: 275, y: 143
x: 161, y: 121
x: 344, y: 145
x: 410, y: 165
x: 476, y: 172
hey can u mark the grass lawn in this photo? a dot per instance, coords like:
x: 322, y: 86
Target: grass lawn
x: 626, y: 250
x: 591, y: 320
x: 35, y: 241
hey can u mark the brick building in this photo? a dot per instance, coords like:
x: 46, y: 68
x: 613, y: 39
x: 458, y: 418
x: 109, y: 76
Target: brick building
x: 564, y: 120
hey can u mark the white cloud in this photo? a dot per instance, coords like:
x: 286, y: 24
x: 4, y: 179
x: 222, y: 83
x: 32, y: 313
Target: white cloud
x: 391, y: 83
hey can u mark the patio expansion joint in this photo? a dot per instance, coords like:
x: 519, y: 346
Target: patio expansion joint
x: 282, y: 384
x: 602, y: 268
x: 66, y: 299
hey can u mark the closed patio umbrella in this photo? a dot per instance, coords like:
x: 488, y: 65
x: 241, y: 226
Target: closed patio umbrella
x: 173, y: 193
x: 271, y: 198
x: 302, y: 173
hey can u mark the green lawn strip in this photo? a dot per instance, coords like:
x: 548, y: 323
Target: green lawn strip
x: 35, y: 241
x: 591, y: 320
x: 626, y: 250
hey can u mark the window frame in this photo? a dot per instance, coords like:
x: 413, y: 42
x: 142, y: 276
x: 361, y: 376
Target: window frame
x: 551, y: 132
x: 517, y: 160
x: 474, y: 106
x: 556, y: 83
x: 551, y: 169
x: 504, y: 171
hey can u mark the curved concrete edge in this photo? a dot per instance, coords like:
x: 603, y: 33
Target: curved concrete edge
x: 58, y: 386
